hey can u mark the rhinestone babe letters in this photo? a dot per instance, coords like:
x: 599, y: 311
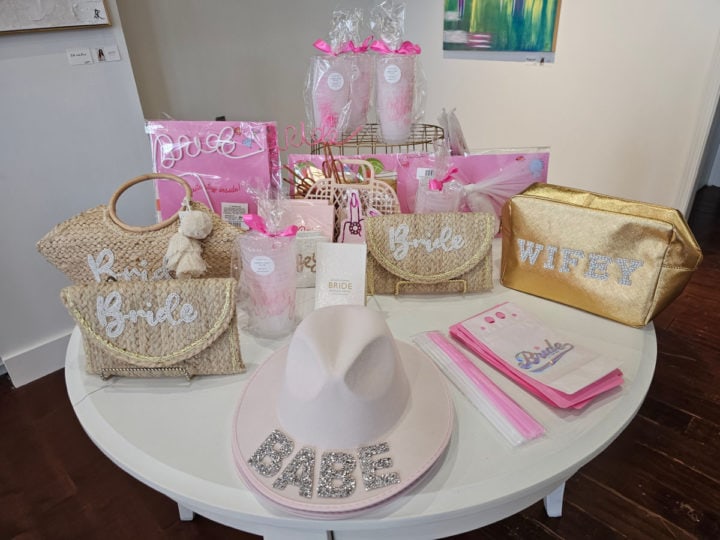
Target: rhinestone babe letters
x: 337, y: 469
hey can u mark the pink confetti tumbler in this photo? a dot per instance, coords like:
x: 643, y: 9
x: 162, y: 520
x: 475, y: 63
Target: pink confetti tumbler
x: 395, y: 95
x: 331, y: 78
x: 268, y: 281
x: 361, y: 85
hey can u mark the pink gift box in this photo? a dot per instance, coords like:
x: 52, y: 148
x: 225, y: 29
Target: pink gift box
x: 494, y: 175
x: 227, y: 164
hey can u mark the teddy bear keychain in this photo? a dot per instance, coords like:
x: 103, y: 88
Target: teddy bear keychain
x: 184, y: 252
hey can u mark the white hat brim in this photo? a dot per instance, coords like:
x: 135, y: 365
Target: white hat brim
x: 415, y: 442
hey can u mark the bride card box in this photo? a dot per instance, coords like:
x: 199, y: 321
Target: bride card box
x: 227, y: 164
x: 181, y: 327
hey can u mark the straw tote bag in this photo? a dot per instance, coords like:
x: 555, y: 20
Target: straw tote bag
x: 96, y: 245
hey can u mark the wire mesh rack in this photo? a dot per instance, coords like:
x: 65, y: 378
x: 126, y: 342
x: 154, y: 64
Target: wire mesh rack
x: 369, y: 141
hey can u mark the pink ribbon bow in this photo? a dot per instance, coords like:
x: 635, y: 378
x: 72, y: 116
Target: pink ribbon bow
x: 324, y: 46
x: 348, y: 47
x: 257, y: 223
x: 363, y: 47
x: 437, y: 185
x: 405, y: 48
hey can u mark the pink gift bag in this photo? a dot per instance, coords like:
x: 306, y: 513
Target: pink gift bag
x: 489, y: 178
x: 227, y: 164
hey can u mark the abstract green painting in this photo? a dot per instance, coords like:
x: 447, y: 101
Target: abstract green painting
x: 500, y: 25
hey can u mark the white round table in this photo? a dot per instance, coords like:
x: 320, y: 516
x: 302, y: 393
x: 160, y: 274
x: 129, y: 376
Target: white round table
x: 175, y: 435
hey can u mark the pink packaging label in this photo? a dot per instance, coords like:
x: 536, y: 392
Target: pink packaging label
x: 227, y: 164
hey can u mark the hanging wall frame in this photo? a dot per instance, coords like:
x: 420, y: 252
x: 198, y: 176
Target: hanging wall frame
x: 33, y: 15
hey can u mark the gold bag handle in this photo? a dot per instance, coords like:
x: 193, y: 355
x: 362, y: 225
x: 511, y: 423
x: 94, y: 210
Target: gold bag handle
x: 157, y: 226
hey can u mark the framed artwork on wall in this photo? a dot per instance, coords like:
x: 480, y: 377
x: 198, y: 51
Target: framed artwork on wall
x: 528, y: 27
x: 30, y: 15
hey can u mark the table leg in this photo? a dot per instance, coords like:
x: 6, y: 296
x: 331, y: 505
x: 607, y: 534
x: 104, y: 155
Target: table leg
x: 553, y: 501
x: 185, y: 513
x: 278, y: 533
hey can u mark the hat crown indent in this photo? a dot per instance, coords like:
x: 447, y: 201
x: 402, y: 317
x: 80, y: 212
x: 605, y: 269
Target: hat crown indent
x: 344, y: 384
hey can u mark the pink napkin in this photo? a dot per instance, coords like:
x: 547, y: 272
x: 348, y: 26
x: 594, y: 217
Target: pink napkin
x: 578, y: 399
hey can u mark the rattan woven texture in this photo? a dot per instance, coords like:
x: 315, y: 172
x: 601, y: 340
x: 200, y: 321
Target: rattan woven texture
x: 145, y: 329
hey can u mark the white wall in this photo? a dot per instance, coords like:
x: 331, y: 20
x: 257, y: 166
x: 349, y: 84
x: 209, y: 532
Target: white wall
x: 69, y: 135
x: 246, y: 60
x: 625, y: 107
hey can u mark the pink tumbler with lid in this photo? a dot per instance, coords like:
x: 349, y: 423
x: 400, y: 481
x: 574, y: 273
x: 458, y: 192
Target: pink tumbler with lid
x: 395, y: 96
x: 330, y: 92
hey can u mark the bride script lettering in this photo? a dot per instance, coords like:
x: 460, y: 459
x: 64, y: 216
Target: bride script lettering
x: 222, y: 143
x: 102, y: 265
x: 112, y: 319
x: 400, y: 244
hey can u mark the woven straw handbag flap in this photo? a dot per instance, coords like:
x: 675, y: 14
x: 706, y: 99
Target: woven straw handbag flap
x: 429, y: 248
x: 153, y: 323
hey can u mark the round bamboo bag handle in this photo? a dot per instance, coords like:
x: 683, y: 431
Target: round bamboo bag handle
x: 157, y: 226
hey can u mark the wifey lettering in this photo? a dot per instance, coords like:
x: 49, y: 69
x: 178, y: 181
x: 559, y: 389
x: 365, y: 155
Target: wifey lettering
x: 564, y: 259
x: 400, y: 244
x: 112, y: 318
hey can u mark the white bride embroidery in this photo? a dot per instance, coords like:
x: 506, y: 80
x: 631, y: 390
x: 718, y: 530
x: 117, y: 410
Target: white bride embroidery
x: 112, y: 319
x: 400, y: 243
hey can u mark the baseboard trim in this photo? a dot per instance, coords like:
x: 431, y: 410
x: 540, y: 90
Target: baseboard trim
x: 29, y: 365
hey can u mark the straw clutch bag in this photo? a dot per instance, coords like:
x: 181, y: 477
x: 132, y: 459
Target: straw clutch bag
x: 176, y: 327
x: 429, y: 253
x: 620, y: 259
x: 97, y: 246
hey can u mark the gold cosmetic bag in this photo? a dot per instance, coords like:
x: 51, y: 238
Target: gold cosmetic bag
x: 439, y: 253
x: 620, y: 259
x: 174, y: 327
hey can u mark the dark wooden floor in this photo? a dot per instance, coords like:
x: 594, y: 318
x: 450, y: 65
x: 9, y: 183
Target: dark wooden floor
x: 659, y: 479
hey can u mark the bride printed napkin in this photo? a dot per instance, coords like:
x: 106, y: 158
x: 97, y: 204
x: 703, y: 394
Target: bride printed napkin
x: 543, y: 360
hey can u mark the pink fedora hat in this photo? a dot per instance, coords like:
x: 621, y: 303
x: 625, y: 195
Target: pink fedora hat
x: 343, y: 418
